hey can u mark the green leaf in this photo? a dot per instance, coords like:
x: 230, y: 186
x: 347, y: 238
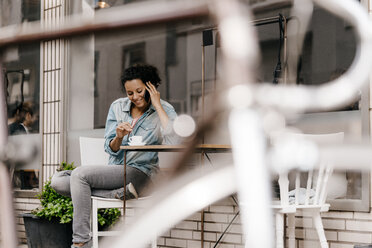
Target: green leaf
x: 56, y: 206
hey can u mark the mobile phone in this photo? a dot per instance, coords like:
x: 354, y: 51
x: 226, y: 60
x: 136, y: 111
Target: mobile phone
x: 147, y: 96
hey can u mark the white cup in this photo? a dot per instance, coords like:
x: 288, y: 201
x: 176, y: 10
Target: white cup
x: 135, y: 140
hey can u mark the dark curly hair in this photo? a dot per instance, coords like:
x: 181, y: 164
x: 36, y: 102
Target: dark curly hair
x: 141, y: 71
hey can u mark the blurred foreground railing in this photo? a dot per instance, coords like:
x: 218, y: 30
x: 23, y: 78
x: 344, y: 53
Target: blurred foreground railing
x: 239, y: 45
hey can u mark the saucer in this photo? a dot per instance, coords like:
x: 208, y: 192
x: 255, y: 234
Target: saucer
x: 137, y: 144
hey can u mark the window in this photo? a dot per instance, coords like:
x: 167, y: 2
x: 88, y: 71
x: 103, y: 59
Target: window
x: 172, y: 50
x: 22, y: 89
x: 328, y: 51
x: 21, y: 75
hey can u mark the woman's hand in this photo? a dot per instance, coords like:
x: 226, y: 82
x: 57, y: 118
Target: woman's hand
x: 154, y: 95
x: 155, y: 100
x: 123, y: 129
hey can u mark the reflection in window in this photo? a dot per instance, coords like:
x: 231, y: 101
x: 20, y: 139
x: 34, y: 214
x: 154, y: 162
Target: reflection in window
x: 152, y: 45
x: 22, y: 76
x: 26, y: 179
x: 15, y: 12
x: 328, y: 51
x: 21, y: 70
x: 354, y: 185
x: 133, y: 54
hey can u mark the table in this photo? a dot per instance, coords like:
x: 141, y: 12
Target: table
x: 202, y: 148
x: 209, y: 148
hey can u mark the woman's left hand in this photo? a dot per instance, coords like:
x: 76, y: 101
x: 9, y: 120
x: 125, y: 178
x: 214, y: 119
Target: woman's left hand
x: 154, y: 94
x: 155, y: 100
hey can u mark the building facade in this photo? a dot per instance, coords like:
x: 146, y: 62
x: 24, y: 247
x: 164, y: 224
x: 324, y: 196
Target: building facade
x: 72, y: 82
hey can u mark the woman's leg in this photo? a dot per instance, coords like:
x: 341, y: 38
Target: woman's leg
x: 139, y: 181
x: 61, y: 182
x: 84, y: 179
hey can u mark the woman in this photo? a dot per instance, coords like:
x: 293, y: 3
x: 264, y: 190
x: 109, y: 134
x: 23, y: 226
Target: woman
x: 141, y: 113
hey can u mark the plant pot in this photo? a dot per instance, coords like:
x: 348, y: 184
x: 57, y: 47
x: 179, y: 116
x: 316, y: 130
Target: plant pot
x: 42, y: 233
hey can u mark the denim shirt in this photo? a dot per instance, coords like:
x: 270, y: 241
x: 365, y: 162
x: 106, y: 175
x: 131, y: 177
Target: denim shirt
x: 148, y: 126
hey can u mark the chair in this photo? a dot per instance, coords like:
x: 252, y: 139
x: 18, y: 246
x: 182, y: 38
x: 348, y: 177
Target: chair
x: 92, y: 153
x: 310, y: 200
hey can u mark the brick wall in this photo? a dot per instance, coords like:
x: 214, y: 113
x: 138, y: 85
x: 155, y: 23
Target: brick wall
x: 342, y: 229
x: 23, y: 205
x: 216, y: 219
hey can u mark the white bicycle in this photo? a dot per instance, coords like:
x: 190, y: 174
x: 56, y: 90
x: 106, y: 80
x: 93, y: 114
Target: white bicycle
x: 199, y: 188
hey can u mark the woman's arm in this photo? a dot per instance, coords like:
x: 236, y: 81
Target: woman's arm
x: 155, y: 100
x: 114, y: 132
x: 166, y: 116
x: 115, y: 144
x: 122, y: 129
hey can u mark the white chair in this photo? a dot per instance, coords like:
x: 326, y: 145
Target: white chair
x: 92, y: 153
x: 311, y: 199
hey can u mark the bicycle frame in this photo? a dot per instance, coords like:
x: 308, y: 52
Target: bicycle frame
x: 246, y: 126
x: 240, y: 56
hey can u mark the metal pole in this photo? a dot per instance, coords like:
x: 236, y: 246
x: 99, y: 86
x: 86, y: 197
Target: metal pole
x: 125, y: 181
x: 202, y: 140
x: 202, y: 212
x: 285, y: 50
x: 264, y: 21
x: 120, y: 17
x: 203, y: 86
x: 215, y: 61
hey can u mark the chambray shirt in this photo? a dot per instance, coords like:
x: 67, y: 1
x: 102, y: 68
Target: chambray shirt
x: 148, y: 126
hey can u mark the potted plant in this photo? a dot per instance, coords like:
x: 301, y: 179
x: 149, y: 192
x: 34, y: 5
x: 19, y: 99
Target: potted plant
x: 51, y: 224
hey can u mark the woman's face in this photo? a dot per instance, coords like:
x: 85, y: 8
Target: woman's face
x: 136, y: 92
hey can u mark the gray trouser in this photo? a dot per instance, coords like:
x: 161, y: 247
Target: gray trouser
x: 85, y: 181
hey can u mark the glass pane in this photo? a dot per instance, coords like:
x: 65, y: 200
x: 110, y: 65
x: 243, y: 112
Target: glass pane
x: 21, y: 70
x: 15, y: 12
x: 328, y: 51
x: 21, y: 73
x: 26, y: 179
x: 173, y: 49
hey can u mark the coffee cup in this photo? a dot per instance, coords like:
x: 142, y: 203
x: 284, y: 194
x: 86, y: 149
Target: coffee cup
x: 135, y: 140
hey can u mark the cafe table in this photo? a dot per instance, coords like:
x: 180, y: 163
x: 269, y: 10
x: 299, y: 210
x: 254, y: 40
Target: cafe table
x: 201, y: 148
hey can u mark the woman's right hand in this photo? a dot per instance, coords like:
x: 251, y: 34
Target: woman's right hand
x: 123, y: 129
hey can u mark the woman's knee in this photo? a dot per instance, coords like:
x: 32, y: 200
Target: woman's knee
x: 60, y: 182
x: 79, y: 174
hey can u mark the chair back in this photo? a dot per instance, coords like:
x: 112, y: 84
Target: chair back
x: 316, y: 181
x: 92, y: 151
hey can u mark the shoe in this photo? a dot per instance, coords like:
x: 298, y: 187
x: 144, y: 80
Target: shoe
x: 132, y: 190
x: 88, y: 244
x: 130, y: 193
